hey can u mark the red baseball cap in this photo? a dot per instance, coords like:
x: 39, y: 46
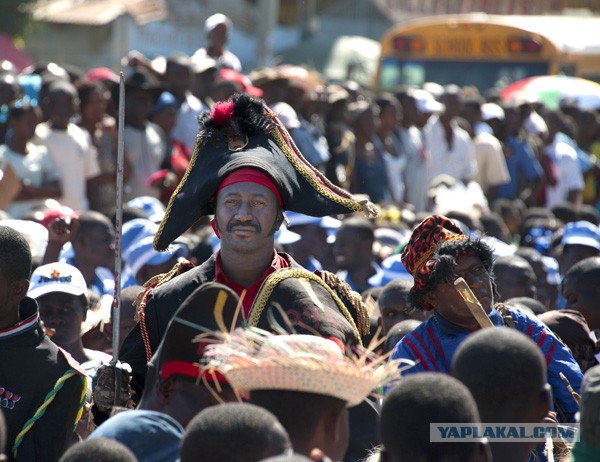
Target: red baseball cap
x: 237, y: 77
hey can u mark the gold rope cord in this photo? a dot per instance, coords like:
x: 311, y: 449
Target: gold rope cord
x: 362, y: 315
x: 275, y: 278
x: 326, y: 188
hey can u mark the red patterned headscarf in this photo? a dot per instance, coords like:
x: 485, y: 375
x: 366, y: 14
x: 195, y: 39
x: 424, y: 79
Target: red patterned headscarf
x: 423, y: 243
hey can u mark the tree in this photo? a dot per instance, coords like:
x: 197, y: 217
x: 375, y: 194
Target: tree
x: 15, y: 17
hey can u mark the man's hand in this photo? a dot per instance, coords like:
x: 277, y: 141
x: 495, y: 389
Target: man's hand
x: 103, y: 387
x: 62, y: 230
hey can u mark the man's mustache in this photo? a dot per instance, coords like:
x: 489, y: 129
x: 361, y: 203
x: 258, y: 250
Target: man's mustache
x: 233, y: 224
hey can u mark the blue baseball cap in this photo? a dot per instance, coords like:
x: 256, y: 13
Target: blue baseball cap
x: 328, y: 223
x: 133, y: 231
x: 393, y: 268
x: 142, y: 253
x: 165, y: 100
x: 151, y: 205
x: 581, y: 233
x: 299, y: 219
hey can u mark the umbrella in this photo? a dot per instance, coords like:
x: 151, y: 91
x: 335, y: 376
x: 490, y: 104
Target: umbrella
x: 552, y: 89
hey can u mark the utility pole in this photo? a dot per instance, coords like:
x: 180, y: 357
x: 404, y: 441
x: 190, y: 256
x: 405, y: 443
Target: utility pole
x: 266, y: 21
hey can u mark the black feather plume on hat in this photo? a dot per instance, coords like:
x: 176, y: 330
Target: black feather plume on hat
x: 242, y: 115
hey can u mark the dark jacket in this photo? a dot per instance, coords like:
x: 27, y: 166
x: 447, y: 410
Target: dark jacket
x: 30, y: 367
x: 162, y: 304
x: 164, y: 300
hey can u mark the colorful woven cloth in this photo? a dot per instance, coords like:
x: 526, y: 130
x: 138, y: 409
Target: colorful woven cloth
x: 423, y: 242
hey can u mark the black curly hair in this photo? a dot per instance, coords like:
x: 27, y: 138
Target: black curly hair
x: 443, y: 272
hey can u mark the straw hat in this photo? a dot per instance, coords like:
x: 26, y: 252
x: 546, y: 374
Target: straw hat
x: 253, y: 359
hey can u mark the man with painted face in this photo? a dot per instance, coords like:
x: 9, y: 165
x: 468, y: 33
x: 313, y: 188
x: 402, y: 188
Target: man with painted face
x: 436, y: 255
x: 245, y: 171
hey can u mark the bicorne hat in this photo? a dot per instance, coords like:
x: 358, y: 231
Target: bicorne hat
x: 240, y: 133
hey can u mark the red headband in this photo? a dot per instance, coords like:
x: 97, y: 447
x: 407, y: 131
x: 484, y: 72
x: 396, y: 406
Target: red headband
x: 250, y: 175
x: 192, y: 370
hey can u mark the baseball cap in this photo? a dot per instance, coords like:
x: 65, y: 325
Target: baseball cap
x: 553, y: 276
x: 426, y: 103
x: 216, y: 19
x: 35, y: 234
x: 243, y: 81
x: 151, y: 205
x: 133, y: 231
x: 142, y: 253
x: 581, y: 233
x: 299, y: 219
x: 57, y: 277
x: 60, y: 211
x: 102, y: 73
x: 165, y: 100
x: 393, y: 268
x: 287, y: 115
x: 328, y: 223
x: 491, y: 111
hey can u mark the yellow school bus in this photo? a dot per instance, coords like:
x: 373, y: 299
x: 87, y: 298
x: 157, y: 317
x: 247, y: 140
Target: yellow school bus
x: 488, y: 51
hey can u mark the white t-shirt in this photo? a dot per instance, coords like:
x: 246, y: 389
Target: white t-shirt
x: 570, y: 177
x: 186, y: 127
x: 458, y: 162
x: 395, y: 166
x: 415, y: 174
x: 491, y: 164
x: 145, y: 151
x: 76, y: 160
x: 227, y: 59
x: 37, y: 168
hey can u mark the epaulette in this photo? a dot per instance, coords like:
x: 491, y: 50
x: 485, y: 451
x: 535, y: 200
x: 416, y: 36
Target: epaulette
x: 295, y: 289
x: 142, y: 299
x: 351, y: 299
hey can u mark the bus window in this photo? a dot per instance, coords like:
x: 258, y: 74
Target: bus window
x: 395, y: 72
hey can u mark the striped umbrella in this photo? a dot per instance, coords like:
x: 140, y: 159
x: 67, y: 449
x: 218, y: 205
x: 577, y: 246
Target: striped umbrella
x: 551, y: 89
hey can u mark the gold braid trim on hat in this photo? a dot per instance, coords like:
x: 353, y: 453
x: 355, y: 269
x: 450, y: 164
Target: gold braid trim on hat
x: 275, y: 278
x: 362, y: 315
x: 427, y: 255
x: 310, y: 173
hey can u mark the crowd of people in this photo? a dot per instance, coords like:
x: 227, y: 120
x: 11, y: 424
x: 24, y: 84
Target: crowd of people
x: 289, y: 251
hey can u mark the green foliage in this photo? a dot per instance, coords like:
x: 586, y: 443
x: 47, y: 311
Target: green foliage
x: 15, y: 17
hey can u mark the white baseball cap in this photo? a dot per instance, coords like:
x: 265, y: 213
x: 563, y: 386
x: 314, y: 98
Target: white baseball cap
x: 215, y: 20
x: 57, y: 277
x: 426, y: 103
x: 491, y: 111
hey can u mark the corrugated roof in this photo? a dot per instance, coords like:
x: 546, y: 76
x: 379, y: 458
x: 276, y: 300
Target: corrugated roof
x: 98, y: 12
